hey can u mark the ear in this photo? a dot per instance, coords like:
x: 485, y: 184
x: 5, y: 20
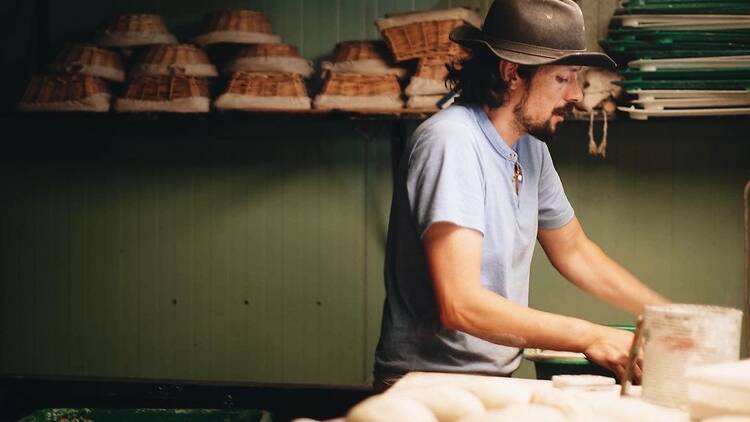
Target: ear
x: 509, y: 73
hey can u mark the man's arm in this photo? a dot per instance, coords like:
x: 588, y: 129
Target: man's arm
x: 584, y: 263
x: 454, y: 257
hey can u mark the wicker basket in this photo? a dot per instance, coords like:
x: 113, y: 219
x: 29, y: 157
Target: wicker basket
x: 429, y: 79
x: 360, y: 50
x: 352, y: 91
x: 135, y: 30
x: 283, y: 58
x: 364, y: 57
x: 180, y: 59
x: 419, y: 34
x: 264, y: 91
x: 173, y: 94
x: 89, y: 60
x: 238, y: 27
x: 67, y: 92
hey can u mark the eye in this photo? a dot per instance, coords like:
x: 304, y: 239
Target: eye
x: 561, y: 80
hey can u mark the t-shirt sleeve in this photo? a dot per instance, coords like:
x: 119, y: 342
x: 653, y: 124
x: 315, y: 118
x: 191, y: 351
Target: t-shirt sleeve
x: 444, y: 179
x: 555, y: 210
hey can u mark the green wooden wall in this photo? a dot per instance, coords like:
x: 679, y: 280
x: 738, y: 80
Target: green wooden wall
x: 244, y: 248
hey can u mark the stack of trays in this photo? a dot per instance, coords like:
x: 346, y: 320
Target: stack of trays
x: 684, y: 58
x: 360, y: 77
x: 424, y: 36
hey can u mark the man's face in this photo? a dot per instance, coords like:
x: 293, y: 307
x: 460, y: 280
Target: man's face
x: 548, y: 96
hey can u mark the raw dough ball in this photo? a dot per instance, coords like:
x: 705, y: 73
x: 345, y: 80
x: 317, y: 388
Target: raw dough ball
x: 568, y: 403
x: 520, y: 413
x: 496, y: 394
x: 447, y: 403
x: 390, y: 408
x: 582, y: 381
x: 589, y: 417
x: 629, y: 409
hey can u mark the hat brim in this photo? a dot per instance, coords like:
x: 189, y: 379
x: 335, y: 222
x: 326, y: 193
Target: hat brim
x: 472, y: 38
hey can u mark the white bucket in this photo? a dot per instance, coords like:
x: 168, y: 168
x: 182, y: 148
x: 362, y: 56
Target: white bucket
x: 680, y: 336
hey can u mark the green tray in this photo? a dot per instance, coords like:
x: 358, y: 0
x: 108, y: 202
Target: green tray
x: 687, y: 74
x: 628, y: 45
x: 686, y: 84
x: 687, y: 8
x: 148, y: 415
x: 635, y: 54
x: 643, y: 2
x: 674, y: 36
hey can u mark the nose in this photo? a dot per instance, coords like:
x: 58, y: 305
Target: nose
x: 574, y: 93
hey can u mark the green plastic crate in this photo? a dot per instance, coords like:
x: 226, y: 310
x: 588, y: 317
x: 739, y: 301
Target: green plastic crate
x: 148, y: 415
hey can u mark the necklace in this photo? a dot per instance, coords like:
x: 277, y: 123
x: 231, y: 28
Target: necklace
x: 517, y: 176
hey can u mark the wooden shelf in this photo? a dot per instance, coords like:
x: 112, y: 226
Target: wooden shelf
x: 407, y: 114
x: 227, y: 116
x: 373, y: 114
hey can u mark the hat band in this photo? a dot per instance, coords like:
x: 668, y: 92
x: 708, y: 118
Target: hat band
x: 534, y: 50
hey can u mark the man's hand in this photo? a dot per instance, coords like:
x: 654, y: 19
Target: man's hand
x: 610, y: 349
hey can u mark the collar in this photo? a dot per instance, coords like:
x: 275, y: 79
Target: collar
x: 492, y: 135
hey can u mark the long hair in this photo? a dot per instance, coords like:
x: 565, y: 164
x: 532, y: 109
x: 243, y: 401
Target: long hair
x: 477, y: 79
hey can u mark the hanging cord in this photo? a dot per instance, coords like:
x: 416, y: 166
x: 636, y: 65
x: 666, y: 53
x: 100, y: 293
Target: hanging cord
x: 603, y: 144
x: 592, y: 144
x: 600, y: 149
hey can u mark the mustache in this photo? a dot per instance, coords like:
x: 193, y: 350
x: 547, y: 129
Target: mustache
x: 566, y: 109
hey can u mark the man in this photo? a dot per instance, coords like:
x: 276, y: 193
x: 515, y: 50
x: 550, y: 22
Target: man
x: 473, y: 191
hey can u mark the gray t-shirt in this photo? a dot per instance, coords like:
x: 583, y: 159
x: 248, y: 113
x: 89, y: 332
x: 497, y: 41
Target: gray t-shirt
x: 458, y: 169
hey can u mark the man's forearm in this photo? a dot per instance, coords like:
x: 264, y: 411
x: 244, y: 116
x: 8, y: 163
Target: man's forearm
x: 489, y: 316
x: 589, y: 268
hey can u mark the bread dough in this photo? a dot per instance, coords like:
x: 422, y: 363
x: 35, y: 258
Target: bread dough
x: 630, y: 409
x: 520, y: 413
x: 568, y: 403
x: 447, y: 403
x: 390, y: 408
x: 496, y: 394
x: 582, y: 381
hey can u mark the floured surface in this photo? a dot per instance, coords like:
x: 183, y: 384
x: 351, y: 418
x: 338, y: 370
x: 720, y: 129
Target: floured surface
x: 541, y: 398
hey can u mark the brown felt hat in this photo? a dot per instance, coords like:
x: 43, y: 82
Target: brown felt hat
x: 534, y: 32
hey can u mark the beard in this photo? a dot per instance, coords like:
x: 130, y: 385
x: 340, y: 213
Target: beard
x: 543, y: 131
